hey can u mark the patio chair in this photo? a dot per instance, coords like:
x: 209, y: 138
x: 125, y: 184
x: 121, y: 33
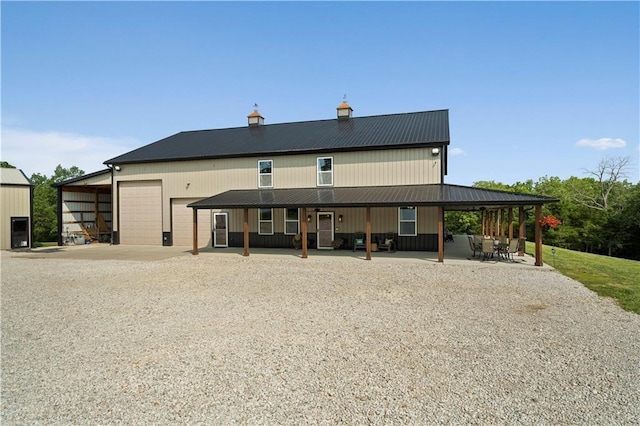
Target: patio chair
x: 359, y: 242
x: 488, y: 248
x: 513, y: 248
x: 473, y: 246
x: 389, y: 243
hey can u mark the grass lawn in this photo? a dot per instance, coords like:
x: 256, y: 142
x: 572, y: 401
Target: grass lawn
x: 46, y: 244
x: 607, y: 276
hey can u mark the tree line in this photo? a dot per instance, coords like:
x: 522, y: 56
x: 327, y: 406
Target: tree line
x: 600, y: 213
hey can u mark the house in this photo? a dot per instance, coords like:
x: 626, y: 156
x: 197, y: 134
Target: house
x: 16, y: 209
x: 262, y: 184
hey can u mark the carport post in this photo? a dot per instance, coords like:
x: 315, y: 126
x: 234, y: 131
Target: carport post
x: 510, y: 220
x: 195, y: 232
x: 521, y: 230
x: 246, y: 232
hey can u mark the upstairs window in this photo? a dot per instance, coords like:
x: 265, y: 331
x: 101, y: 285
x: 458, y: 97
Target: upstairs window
x: 407, y: 222
x: 265, y: 173
x: 265, y: 222
x: 325, y: 171
x: 291, y: 222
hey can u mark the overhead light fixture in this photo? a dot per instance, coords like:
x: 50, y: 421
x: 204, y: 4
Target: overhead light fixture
x: 435, y: 151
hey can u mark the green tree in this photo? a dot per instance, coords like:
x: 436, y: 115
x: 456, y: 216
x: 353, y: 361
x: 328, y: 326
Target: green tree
x: 5, y: 165
x: 45, y: 202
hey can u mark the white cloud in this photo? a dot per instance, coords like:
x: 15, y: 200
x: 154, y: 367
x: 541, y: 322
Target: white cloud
x: 602, y: 143
x: 41, y: 152
x: 456, y: 151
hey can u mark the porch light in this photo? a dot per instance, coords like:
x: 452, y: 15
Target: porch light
x: 309, y: 218
x: 340, y: 218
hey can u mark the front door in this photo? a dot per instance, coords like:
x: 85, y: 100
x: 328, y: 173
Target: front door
x: 325, y: 230
x: 220, y: 230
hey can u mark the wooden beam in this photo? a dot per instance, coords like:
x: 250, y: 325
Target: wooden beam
x: 195, y: 232
x: 245, y: 227
x: 510, y: 220
x: 522, y: 234
x: 538, y: 236
x: 440, y: 234
x: 368, y: 234
x: 303, y: 225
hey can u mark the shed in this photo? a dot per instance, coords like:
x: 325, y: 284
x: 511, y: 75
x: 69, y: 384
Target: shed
x: 16, y: 210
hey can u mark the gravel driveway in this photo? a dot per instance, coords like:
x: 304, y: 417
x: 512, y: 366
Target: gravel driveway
x: 220, y: 339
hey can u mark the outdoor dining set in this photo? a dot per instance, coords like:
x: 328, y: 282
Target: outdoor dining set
x: 490, y: 247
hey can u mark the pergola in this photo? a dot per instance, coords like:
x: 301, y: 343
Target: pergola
x: 493, y: 205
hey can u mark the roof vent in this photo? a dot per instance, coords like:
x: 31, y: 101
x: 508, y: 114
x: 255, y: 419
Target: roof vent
x: 344, y: 110
x: 255, y: 119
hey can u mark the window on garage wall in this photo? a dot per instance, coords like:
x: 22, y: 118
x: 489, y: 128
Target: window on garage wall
x: 265, y: 222
x: 265, y: 173
x: 325, y: 171
x: 291, y: 221
x: 407, y: 222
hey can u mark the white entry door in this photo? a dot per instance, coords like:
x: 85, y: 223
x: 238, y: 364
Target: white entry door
x: 325, y: 230
x: 221, y: 230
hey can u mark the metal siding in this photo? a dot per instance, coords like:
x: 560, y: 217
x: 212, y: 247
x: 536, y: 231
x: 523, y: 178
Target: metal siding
x: 141, y: 213
x: 14, y: 202
x: 182, y: 226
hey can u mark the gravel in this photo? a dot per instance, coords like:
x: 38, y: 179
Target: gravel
x: 274, y: 339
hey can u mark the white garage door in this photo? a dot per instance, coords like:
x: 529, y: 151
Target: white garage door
x: 141, y: 213
x: 182, y: 224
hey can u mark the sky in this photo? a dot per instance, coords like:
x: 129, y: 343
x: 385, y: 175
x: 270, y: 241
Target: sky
x: 533, y: 89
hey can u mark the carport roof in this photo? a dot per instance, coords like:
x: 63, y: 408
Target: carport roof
x: 452, y: 196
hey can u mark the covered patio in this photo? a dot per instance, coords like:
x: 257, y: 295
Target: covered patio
x: 496, y: 208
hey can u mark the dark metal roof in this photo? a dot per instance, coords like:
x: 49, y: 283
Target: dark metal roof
x: 83, y: 177
x: 374, y: 132
x: 452, y: 196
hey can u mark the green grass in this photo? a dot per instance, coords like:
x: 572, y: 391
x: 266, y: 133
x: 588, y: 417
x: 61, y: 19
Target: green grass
x: 46, y: 244
x: 607, y: 276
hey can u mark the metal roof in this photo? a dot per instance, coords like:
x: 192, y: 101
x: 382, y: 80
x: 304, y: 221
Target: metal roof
x: 83, y: 177
x: 452, y: 196
x: 373, y: 132
x: 13, y: 177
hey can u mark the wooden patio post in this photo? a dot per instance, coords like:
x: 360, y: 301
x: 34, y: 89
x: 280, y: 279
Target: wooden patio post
x: 521, y: 231
x: 304, y: 232
x: 492, y: 220
x: 482, y: 220
x: 195, y: 232
x: 368, y: 234
x: 510, y: 220
x: 440, y: 234
x: 538, y: 236
x: 245, y: 228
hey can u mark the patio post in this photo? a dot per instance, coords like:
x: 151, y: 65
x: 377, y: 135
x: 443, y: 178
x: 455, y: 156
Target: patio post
x: 510, y: 220
x: 440, y: 234
x: 195, y: 232
x: 538, y: 236
x: 521, y: 231
x: 304, y: 232
x: 368, y: 233
x: 245, y: 227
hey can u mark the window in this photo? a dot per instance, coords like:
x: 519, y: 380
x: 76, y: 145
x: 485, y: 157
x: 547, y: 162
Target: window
x: 291, y: 222
x: 407, y: 224
x: 265, y: 173
x: 265, y: 222
x: 325, y: 171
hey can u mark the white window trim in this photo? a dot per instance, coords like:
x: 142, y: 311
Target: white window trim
x: 265, y: 174
x: 286, y: 221
x: 260, y: 221
x: 400, y: 221
x: 318, y: 171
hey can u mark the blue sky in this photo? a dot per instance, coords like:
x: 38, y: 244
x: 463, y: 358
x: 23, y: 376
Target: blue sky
x: 533, y: 89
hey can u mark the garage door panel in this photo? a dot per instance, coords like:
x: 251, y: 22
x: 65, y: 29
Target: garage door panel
x: 141, y: 213
x: 182, y: 224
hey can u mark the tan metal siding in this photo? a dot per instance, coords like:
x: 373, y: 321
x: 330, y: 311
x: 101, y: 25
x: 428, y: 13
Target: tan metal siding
x: 182, y: 229
x: 141, y: 213
x: 14, y: 202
